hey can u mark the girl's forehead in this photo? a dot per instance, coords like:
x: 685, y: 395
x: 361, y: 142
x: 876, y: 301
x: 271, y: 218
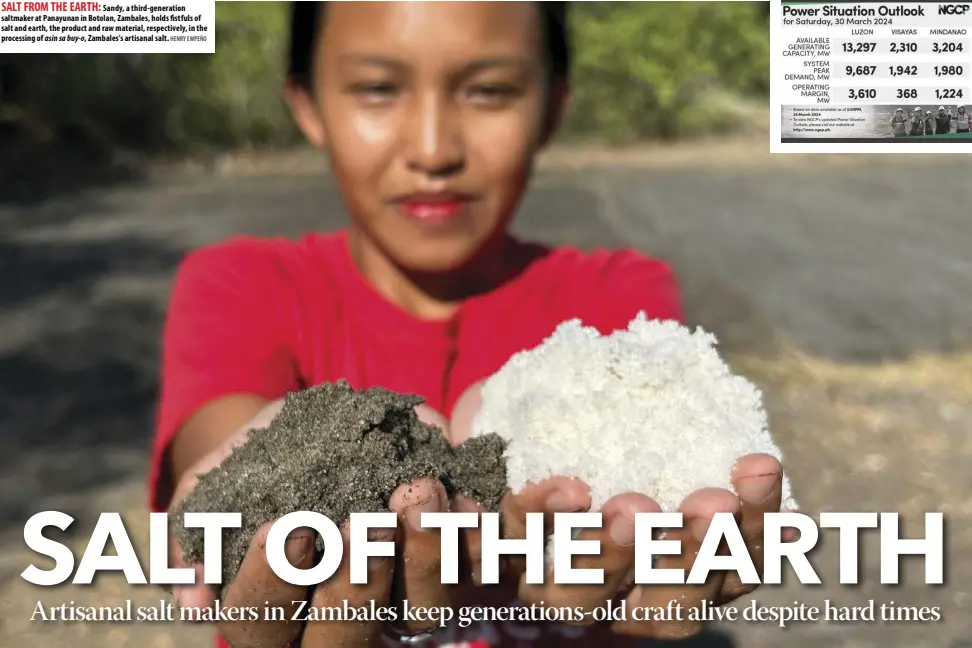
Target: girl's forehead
x: 416, y: 27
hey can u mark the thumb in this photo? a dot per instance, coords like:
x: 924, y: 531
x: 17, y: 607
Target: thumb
x: 430, y: 416
x: 200, y: 594
x: 464, y: 412
x: 418, y: 575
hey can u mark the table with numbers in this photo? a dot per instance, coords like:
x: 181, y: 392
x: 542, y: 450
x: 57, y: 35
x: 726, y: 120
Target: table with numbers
x: 871, y: 76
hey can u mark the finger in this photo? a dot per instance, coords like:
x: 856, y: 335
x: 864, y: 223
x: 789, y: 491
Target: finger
x: 198, y: 595
x: 697, y: 510
x: 758, y: 480
x: 616, y: 559
x: 472, y: 540
x: 619, y: 538
x: 418, y: 576
x: 256, y: 585
x: 338, y: 593
x: 432, y: 417
x: 553, y: 495
x: 790, y: 534
x: 464, y: 411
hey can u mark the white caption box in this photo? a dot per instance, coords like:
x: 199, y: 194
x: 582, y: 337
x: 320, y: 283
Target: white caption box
x: 177, y: 27
x: 870, y: 77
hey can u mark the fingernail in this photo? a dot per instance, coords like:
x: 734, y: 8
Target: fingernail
x: 559, y: 502
x: 699, y: 527
x: 296, y: 548
x: 413, y: 515
x: 622, y: 531
x: 758, y: 489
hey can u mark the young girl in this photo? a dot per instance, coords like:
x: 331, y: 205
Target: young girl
x: 431, y: 115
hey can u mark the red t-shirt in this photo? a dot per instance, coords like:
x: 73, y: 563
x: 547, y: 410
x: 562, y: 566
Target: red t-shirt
x: 270, y: 316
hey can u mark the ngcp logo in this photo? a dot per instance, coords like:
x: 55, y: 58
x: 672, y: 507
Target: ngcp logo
x: 953, y: 9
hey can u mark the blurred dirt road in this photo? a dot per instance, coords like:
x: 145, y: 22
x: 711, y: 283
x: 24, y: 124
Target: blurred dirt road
x: 842, y: 285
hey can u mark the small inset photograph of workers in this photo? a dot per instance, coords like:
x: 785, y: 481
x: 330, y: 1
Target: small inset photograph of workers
x: 922, y: 121
x: 875, y: 122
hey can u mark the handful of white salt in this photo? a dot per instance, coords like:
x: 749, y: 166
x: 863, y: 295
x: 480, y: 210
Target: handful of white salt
x: 653, y: 409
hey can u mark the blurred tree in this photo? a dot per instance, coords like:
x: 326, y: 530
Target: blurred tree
x: 642, y: 70
x: 654, y: 69
x: 153, y: 102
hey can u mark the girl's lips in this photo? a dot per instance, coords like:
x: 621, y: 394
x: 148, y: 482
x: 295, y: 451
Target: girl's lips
x: 432, y: 210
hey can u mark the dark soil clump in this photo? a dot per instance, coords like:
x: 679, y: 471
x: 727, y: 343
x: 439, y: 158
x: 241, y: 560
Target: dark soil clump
x: 335, y: 450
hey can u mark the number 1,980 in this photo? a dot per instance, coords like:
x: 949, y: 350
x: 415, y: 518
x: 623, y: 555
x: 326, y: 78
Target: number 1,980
x: 904, y: 70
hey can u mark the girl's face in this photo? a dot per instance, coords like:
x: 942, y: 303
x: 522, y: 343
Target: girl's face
x: 432, y: 113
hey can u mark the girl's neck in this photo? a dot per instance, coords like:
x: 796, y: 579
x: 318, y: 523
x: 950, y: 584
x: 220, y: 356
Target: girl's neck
x: 429, y: 296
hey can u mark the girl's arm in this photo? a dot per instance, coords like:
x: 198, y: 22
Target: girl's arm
x: 226, y: 353
x: 205, y: 430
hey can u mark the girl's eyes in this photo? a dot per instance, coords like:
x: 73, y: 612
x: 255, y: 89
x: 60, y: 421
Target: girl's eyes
x: 486, y: 94
x: 493, y: 93
x: 378, y: 91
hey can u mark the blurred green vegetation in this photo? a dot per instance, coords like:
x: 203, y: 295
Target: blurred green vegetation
x: 642, y: 70
x: 666, y: 69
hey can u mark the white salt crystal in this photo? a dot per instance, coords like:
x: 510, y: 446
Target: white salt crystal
x: 653, y: 409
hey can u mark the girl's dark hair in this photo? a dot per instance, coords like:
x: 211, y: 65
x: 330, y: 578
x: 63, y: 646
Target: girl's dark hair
x: 306, y: 19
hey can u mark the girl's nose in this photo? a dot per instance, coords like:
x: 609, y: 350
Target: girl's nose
x: 435, y: 137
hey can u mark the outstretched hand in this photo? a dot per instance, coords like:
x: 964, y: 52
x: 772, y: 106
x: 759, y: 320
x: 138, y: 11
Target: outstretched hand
x: 414, y: 574
x: 757, y: 480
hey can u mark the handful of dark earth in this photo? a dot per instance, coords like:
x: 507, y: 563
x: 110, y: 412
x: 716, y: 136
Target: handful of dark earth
x: 335, y: 451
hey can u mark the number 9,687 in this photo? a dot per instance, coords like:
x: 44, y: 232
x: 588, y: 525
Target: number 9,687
x: 924, y: 70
